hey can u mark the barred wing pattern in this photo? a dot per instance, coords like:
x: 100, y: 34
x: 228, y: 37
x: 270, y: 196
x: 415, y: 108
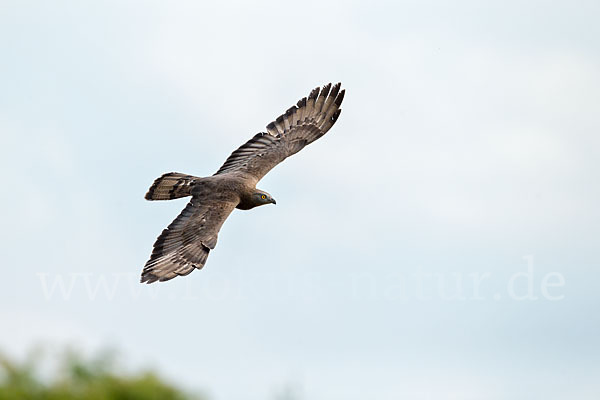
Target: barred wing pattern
x: 301, y: 125
x: 184, y: 245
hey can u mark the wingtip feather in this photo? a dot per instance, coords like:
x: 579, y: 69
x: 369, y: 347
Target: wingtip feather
x: 340, y: 97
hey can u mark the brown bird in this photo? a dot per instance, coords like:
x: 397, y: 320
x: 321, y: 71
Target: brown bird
x: 184, y: 245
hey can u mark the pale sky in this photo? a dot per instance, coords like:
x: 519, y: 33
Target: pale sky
x: 440, y: 242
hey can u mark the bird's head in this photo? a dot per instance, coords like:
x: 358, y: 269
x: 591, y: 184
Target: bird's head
x: 260, y: 198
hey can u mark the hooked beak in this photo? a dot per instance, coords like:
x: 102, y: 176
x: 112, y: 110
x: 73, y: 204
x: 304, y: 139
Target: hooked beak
x: 273, y: 201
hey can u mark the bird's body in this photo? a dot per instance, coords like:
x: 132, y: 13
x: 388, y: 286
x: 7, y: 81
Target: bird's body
x: 229, y: 188
x: 184, y: 245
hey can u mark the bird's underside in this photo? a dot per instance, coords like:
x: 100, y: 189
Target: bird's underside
x: 184, y: 245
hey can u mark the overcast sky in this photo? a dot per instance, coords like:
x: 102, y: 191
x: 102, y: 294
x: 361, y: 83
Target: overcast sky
x: 440, y: 242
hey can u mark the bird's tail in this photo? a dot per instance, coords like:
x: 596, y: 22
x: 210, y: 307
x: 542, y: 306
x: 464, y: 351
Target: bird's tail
x: 171, y: 186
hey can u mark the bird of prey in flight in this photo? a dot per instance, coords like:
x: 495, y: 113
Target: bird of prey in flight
x: 184, y: 245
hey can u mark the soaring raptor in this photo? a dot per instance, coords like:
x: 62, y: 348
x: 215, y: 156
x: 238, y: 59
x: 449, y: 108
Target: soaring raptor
x: 184, y: 245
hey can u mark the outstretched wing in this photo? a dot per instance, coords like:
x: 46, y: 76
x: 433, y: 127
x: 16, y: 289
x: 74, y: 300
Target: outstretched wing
x: 185, y: 244
x: 301, y: 125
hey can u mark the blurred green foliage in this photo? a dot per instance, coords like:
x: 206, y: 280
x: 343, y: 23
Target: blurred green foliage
x: 75, y: 377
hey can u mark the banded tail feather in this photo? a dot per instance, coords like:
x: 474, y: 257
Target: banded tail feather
x: 172, y: 185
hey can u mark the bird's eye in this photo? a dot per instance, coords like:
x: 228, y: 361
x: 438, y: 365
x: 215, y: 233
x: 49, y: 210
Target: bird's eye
x: 263, y: 197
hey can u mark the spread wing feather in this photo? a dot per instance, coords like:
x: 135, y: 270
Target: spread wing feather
x: 184, y: 245
x: 299, y: 126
